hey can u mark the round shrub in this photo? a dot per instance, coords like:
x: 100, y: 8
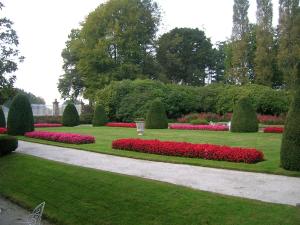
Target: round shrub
x: 70, y: 116
x: 156, y: 116
x: 100, y: 118
x: 290, y: 146
x: 2, y: 118
x: 20, y: 117
x: 244, y: 117
x: 8, y: 144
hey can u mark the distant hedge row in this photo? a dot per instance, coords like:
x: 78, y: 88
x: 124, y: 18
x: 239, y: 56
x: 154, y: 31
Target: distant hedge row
x: 126, y: 100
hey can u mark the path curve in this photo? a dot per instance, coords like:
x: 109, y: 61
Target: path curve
x: 259, y: 186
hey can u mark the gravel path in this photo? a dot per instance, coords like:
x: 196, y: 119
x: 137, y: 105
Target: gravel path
x: 12, y: 214
x: 259, y: 186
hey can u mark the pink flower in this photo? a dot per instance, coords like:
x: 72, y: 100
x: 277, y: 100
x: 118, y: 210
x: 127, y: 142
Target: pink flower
x: 199, y: 127
x: 47, y: 125
x: 117, y: 124
x: 61, y: 137
x: 3, y: 130
x: 205, y: 151
x: 273, y: 130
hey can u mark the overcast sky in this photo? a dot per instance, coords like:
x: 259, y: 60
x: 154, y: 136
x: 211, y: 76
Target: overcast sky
x: 43, y: 27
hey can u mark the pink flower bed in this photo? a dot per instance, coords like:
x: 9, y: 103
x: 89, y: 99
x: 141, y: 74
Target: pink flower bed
x: 117, y: 124
x: 199, y: 127
x: 205, y: 151
x: 270, y: 119
x: 3, y: 130
x: 61, y: 137
x: 273, y: 130
x: 47, y: 125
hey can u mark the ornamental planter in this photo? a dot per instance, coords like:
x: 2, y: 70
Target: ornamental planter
x: 140, y: 127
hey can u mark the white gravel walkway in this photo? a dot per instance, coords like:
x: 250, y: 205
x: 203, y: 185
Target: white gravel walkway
x: 264, y: 187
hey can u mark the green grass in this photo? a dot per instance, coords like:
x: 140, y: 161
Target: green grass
x: 76, y: 195
x: 267, y: 142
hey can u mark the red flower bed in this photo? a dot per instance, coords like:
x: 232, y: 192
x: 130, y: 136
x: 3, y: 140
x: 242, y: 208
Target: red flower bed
x: 199, y: 127
x: 61, y: 137
x: 273, y: 130
x: 47, y: 125
x: 115, y: 124
x: 205, y: 151
x: 3, y: 130
x: 269, y: 119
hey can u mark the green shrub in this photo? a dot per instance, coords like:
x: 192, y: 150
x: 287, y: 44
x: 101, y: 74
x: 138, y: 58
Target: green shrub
x: 47, y: 119
x: 20, y: 117
x: 70, y: 116
x: 7, y: 144
x: 156, y: 116
x: 100, y: 118
x: 87, y: 113
x: 199, y: 122
x: 244, y: 117
x: 2, y: 118
x: 290, y: 146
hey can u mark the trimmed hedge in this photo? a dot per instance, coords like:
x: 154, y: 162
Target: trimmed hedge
x: 244, y: 117
x: 8, y: 144
x: 290, y: 146
x: 156, y: 116
x: 2, y: 118
x: 70, y: 116
x: 20, y: 118
x: 100, y: 118
x: 126, y: 100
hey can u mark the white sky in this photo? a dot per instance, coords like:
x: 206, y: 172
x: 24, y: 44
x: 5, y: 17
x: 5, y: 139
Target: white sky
x: 43, y: 27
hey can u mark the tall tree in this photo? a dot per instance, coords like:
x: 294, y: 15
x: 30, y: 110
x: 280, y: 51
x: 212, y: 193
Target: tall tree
x: 185, y: 54
x: 288, y: 53
x: 239, y: 71
x: 9, y: 57
x: 117, y: 42
x: 70, y: 84
x: 264, y: 55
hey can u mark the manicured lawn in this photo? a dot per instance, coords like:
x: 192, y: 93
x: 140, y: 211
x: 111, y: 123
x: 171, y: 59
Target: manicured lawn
x: 76, y: 195
x: 269, y: 143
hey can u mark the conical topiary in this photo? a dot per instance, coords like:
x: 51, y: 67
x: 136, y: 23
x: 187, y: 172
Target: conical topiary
x: 99, y: 118
x: 156, y: 117
x: 2, y: 118
x: 244, y: 117
x: 70, y: 116
x: 290, y: 146
x: 20, y: 117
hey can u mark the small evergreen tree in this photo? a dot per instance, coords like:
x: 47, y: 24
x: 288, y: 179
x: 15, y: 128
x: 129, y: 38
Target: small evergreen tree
x: 290, y: 146
x: 70, y: 116
x: 244, y: 117
x: 100, y: 117
x: 2, y: 118
x: 20, y: 117
x: 156, y: 117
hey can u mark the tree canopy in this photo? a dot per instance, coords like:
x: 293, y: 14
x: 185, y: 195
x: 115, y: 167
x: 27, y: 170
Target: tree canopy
x: 185, y: 54
x: 9, y: 57
x: 115, y: 42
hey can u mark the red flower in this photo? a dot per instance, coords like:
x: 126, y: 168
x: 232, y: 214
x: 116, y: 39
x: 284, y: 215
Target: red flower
x: 3, y: 130
x: 47, y: 125
x: 205, y: 151
x: 273, y: 130
x: 199, y: 127
x: 61, y: 137
x: 115, y: 124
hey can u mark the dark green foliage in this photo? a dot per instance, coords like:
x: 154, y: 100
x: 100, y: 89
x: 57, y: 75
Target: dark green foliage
x: 290, y: 147
x: 87, y: 113
x: 156, y: 116
x: 244, y: 117
x: 47, y: 119
x: 199, y: 122
x: 70, y: 116
x: 126, y: 100
x: 100, y: 118
x: 20, y: 117
x: 2, y: 118
x: 8, y: 144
